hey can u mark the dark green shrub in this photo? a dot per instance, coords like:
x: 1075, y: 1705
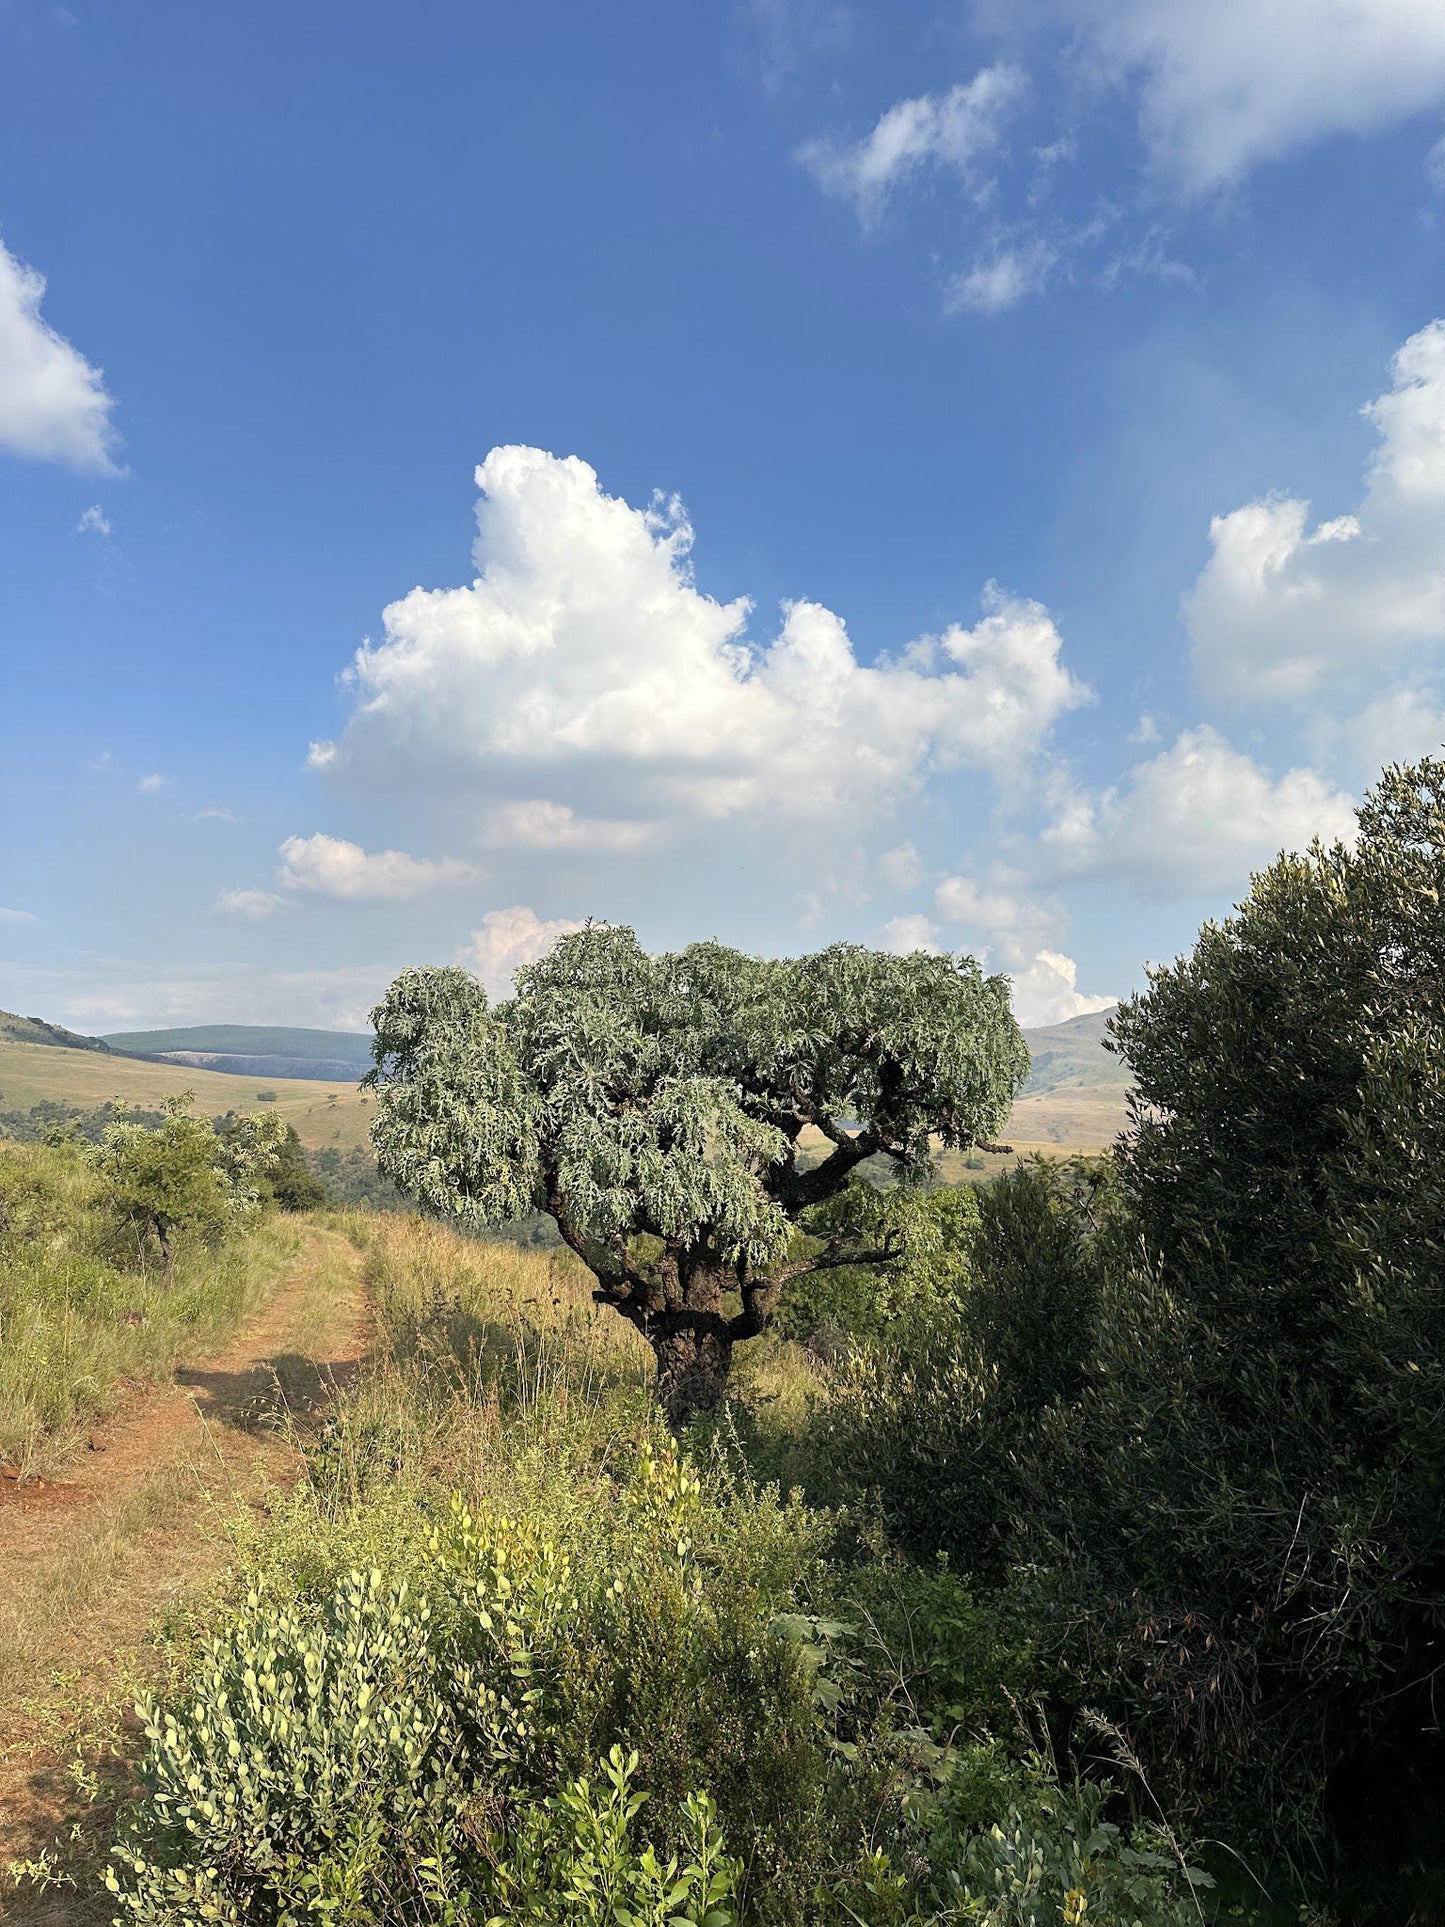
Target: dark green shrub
x: 933, y: 1230
x: 932, y: 1421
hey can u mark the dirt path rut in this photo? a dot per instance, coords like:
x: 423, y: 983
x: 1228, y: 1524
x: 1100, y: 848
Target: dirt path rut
x: 88, y: 1563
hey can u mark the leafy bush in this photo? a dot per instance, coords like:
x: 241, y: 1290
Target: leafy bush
x: 182, y: 1177
x: 933, y: 1231
x: 1058, y: 1862
x: 398, y: 1751
x: 932, y: 1422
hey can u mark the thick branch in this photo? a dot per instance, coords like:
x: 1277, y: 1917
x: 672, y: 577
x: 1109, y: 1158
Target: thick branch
x: 760, y: 1296
x: 796, y: 1190
x: 618, y: 1283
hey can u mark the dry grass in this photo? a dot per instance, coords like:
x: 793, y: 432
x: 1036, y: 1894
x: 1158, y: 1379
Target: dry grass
x: 481, y: 1311
x: 323, y: 1114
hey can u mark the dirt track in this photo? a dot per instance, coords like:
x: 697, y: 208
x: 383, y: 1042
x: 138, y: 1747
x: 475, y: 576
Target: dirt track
x: 87, y: 1563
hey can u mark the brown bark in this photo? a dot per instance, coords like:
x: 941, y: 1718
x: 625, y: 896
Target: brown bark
x: 694, y: 1350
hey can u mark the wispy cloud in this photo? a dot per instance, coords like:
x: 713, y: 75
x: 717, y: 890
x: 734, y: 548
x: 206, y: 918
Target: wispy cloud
x: 251, y: 904
x: 952, y: 131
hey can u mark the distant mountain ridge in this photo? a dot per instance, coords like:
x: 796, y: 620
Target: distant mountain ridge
x: 1071, y: 1056
x: 35, y: 1030
x: 253, y: 1050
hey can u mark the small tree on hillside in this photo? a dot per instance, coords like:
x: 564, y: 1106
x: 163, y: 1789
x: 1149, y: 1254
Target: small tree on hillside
x: 180, y: 1176
x: 654, y: 1107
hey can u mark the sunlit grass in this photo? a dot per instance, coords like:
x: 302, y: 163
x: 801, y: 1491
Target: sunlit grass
x: 80, y: 1317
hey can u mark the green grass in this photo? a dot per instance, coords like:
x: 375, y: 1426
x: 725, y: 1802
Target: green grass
x: 80, y: 1319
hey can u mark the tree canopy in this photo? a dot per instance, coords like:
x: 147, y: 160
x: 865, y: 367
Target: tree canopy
x: 182, y: 1176
x: 656, y: 1107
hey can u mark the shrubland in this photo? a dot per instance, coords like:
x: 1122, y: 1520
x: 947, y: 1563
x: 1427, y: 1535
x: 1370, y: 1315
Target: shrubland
x: 1052, y: 1537
x: 514, y: 1652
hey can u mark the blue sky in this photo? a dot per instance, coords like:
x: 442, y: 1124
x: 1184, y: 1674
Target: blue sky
x: 967, y: 475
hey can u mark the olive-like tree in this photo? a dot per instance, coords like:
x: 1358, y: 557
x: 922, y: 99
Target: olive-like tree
x: 656, y: 1106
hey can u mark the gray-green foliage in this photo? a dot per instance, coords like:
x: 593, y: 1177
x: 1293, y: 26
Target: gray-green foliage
x: 662, y: 1099
x: 1060, y: 1862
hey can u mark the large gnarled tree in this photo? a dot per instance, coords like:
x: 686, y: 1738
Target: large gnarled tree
x: 656, y: 1108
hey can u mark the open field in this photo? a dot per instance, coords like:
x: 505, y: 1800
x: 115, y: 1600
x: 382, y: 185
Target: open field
x: 1081, y: 1120
x: 323, y: 1114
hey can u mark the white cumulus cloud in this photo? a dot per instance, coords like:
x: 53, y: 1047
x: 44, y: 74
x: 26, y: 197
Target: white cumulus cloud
x: 1200, y: 816
x: 328, y: 866
x: 252, y: 904
x: 1283, y: 607
x: 952, y: 130
x: 53, y: 403
x: 1001, y: 909
x: 1017, y: 931
x: 1399, y: 727
x: 1228, y: 84
x: 585, y: 664
x: 1045, y: 990
x: 905, y: 935
x: 508, y: 939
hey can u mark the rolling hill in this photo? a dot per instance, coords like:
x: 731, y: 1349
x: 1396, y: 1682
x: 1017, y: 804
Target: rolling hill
x: 1076, y: 1091
x: 35, y: 1030
x: 253, y: 1050
x: 324, y: 1112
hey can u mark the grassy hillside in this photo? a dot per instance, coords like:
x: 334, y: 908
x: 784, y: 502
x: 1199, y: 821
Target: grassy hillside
x: 323, y: 1113
x: 34, y: 1030
x: 1072, y: 1057
x: 1075, y: 1094
x: 255, y: 1050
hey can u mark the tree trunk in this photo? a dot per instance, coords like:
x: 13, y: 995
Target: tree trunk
x: 694, y: 1350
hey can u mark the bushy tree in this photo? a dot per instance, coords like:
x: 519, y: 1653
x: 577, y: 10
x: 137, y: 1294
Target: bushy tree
x: 278, y: 1169
x: 654, y: 1107
x: 180, y: 1176
x: 1280, y: 1511
x: 1196, y: 1412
